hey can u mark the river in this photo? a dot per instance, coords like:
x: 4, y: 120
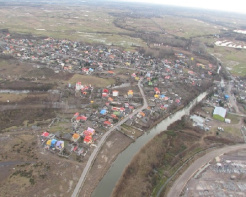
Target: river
x: 107, y: 184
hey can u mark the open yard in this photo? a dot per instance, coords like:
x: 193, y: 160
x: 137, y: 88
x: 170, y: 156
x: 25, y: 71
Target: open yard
x: 94, y: 81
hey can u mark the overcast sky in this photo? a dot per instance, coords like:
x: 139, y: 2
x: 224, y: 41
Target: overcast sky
x: 225, y: 5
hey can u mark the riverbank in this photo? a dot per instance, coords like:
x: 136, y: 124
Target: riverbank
x: 113, y: 146
x: 160, y: 158
x: 107, y: 155
x: 106, y: 186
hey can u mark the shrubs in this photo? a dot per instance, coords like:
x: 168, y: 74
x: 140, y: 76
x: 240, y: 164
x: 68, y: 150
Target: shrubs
x: 171, y: 133
x: 26, y: 174
x: 16, y: 117
x: 26, y: 85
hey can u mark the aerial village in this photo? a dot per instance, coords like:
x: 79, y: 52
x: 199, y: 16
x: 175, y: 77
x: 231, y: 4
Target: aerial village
x: 168, y: 85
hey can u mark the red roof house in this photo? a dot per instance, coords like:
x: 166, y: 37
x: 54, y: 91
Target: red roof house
x: 45, y: 134
x: 88, y: 139
x: 76, y: 114
x: 114, y: 116
x: 107, y: 123
x: 157, y: 91
x: 177, y: 101
x: 81, y: 118
x: 122, y: 109
x: 105, y: 90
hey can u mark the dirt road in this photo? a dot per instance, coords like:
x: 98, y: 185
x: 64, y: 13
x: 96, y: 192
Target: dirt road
x: 180, y: 183
x: 103, y: 139
x: 232, y: 98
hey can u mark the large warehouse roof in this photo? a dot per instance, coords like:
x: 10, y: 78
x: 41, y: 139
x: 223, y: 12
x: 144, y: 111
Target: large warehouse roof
x: 220, y: 111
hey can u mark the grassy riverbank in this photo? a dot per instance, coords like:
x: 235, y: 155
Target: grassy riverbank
x: 161, y: 158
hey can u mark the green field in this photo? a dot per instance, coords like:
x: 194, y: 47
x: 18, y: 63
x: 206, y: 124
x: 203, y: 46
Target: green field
x: 126, y: 26
x: 73, y: 23
x: 186, y: 27
x: 94, y: 81
x: 233, y: 59
x: 234, y: 119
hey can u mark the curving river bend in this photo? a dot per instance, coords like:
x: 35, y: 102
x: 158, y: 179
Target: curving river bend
x: 107, y: 184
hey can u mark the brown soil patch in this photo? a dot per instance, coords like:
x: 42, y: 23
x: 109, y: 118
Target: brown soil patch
x: 94, y: 81
x: 47, y: 73
x: 26, y: 85
x: 11, y: 66
x: 16, y: 117
x: 41, y: 172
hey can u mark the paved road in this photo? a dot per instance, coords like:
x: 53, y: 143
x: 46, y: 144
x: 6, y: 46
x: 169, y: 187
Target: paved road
x: 101, y: 142
x: 180, y: 183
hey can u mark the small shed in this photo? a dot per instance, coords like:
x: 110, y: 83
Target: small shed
x: 228, y: 121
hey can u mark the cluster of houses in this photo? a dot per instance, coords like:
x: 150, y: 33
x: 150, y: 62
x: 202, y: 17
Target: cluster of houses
x: 163, y: 82
x: 171, y: 82
x: 50, y: 142
x: 89, y: 124
x: 88, y: 59
x: 56, y: 144
x: 113, y: 105
x: 239, y: 90
x: 67, y: 55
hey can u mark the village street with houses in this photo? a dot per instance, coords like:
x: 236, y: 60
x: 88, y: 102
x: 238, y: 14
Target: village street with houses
x: 146, y: 91
x: 110, y: 98
x: 102, y: 141
x: 165, y: 85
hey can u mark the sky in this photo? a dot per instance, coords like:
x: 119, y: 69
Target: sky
x: 224, y: 5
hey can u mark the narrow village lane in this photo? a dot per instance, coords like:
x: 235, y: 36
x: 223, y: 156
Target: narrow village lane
x: 103, y: 139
